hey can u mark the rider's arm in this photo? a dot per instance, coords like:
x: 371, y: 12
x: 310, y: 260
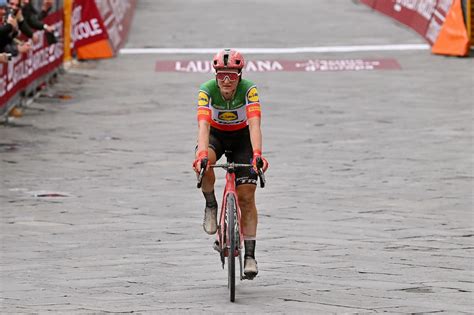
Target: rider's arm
x: 204, y: 124
x: 254, y: 115
x: 204, y: 128
x: 255, y: 133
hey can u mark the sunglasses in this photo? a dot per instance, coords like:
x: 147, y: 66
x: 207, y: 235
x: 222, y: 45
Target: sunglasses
x: 232, y: 76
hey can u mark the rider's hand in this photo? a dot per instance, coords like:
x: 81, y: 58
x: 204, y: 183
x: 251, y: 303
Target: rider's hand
x: 201, y: 155
x: 258, y: 154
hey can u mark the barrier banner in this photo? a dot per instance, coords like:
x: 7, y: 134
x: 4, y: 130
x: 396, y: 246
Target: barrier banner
x: 426, y: 17
x: 309, y: 65
x: 423, y: 16
x: 40, y: 60
x: 99, y: 28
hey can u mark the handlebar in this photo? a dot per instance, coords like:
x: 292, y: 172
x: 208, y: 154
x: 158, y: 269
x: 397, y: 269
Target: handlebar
x: 231, y: 165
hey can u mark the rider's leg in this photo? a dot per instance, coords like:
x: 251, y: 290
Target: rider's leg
x: 209, y: 178
x: 246, y: 195
x: 210, y: 212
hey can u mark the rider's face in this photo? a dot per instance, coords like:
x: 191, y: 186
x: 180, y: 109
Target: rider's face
x: 226, y: 85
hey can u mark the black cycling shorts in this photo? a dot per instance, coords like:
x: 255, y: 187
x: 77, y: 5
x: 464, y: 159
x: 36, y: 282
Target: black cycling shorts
x: 239, y: 143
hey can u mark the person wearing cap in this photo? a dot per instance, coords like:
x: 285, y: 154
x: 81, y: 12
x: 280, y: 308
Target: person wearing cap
x: 229, y: 117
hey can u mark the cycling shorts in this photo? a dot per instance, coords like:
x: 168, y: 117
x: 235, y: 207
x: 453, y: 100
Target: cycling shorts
x: 239, y: 143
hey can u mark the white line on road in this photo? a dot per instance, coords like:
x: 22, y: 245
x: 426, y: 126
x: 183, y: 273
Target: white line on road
x: 295, y: 50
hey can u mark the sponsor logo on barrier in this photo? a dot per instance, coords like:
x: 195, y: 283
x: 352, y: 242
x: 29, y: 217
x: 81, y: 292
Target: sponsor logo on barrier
x: 100, y: 20
x: 228, y: 116
x: 205, y: 66
x: 426, y: 17
x: 115, y: 14
x: 23, y: 68
x: 425, y: 8
x: 338, y: 65
x: 84, y: 29
x: 312, y: 65
x: 86, y: 24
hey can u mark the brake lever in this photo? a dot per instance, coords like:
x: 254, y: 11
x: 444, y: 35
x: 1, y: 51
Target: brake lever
x: 260, y: 172
x: 201, y: 173
x: 261, y: 177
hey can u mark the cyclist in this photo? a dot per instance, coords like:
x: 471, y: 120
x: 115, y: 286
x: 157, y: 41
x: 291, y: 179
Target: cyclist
x: 228, y: 114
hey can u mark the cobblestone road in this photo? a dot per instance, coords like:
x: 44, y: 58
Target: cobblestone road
x: 368, y: 207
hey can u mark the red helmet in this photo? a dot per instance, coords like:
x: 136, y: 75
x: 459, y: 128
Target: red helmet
x: 228, y: 59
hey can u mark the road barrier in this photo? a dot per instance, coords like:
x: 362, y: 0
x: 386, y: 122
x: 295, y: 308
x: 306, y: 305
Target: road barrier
x: 100, y: 27
x: 86, y: 29
x: 22, y: 76
x: 440, y: 22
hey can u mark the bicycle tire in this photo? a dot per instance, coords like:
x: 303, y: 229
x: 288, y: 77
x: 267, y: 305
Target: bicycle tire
x: 231, y: 210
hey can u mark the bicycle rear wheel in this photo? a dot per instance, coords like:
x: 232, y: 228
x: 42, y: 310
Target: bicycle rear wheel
x: 231, y: 210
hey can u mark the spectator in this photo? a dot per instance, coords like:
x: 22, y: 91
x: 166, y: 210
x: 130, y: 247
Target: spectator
x: 35, y: 19
x: 8, y: 25
x: 12, y: 22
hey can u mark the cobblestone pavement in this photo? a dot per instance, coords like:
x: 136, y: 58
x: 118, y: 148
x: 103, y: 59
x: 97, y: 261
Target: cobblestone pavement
x: 368, y: 205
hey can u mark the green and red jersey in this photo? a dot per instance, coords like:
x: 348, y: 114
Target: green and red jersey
x: 228, y: 115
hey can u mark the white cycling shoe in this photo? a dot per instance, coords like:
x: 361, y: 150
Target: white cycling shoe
x: 250, y: 268
x: 210, y: 220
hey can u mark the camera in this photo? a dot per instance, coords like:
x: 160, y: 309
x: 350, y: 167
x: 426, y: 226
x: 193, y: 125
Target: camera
x: 11, y: 12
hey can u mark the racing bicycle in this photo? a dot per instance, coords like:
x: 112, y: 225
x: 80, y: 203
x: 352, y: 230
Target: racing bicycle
x: 229, y: 236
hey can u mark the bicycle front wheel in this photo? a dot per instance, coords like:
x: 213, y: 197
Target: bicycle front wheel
x: 231, y: 211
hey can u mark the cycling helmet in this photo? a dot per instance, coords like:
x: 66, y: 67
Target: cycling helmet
x: 228, y: 59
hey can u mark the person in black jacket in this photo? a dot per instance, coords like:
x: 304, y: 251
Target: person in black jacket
x: 35, y: 19
x: 11, y: 22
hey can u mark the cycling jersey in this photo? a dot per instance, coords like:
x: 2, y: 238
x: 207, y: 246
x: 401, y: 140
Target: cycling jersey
x: 228, y: 115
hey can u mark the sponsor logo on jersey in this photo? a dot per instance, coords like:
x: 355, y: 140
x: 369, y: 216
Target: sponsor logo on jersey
x: 228, y: 116
x: 205, y: 112
x: 203, y: 99
x: 253, y: 108
x: 252, y: 95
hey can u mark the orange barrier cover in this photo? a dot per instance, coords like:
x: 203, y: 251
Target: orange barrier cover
x: 453, y: 39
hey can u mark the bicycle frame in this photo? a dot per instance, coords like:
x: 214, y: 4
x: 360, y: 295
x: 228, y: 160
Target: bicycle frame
x: 222, y: 236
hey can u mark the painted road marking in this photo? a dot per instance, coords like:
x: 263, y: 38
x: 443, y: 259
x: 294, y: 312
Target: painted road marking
x: 295, y: 50
x: 309, y: 65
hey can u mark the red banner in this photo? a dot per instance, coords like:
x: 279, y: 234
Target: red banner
x: 86, y: 24
x: 424, y: 16
x: 311, y: 65
x: 117, y: 16
x: 25, y: 68
x: 99, y: 28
